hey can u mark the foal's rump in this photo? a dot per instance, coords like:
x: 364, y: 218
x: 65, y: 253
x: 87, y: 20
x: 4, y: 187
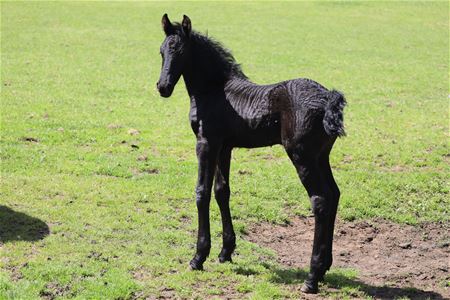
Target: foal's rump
x: 333, y: 120
x: 312, y: 107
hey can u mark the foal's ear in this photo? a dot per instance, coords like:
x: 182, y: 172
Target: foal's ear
x: 186, y: 25
x: 166, y: 25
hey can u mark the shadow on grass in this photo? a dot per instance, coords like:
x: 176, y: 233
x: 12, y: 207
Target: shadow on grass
x: 17, y: 226
x: 339, y: 281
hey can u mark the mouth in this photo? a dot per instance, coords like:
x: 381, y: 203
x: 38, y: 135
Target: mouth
x: 165, y: 91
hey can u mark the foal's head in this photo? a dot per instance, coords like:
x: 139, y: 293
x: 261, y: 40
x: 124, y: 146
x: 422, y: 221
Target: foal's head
x: 174, y: 52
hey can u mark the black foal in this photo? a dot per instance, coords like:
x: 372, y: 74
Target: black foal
x: 227, y: 110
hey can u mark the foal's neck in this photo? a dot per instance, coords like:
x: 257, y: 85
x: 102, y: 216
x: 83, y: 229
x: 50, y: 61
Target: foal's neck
x: 209, y: 67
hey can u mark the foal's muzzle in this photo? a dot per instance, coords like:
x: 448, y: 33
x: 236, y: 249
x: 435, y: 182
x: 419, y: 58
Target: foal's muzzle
x: 165, y: 90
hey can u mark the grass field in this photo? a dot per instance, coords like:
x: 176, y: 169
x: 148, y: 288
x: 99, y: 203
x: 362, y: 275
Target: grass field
x: 90, y: 208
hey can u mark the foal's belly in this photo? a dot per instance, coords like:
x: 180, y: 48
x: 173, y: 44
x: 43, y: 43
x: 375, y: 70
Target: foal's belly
x: 257, y: 132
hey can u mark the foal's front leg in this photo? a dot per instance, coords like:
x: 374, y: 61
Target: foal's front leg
x: 207, y: 161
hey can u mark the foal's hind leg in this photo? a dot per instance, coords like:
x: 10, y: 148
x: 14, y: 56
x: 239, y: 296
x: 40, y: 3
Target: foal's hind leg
x: 222, y: 194
x: 308, y: 169
x: 325, y: 167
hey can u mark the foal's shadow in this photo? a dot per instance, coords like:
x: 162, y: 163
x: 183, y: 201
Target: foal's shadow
x: 297, y: 276
x: 17, y: 226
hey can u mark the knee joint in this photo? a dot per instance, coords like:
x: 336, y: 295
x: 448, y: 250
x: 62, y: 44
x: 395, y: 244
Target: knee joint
x: 221, y: 190
x: 202, y: 149
x: 201, y: 191
x: 202, y: 196
x: 320, y: 206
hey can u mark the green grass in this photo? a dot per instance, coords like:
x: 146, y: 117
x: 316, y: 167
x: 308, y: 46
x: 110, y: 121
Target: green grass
x: 77, y: 76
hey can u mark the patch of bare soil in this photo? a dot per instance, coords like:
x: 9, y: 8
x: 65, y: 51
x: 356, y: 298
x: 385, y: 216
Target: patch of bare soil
x: 392, y: 260
x: 54, y: 290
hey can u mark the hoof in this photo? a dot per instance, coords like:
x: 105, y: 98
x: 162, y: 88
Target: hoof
x: 309, y: 288
x: 195, y: 265
x: 225, y: 255
x: 223, y: 259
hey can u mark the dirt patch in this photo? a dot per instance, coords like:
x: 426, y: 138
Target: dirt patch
x: 141, y: 274
x: 54, y: 290
x: 137, y: 172
x: 392, y: 260
x: 133, y: 131
x: 244, y: 172
x: 29, y: 139
x: 114, y: 126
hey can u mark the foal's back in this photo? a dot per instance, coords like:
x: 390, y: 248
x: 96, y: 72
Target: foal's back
x: 264, y: 115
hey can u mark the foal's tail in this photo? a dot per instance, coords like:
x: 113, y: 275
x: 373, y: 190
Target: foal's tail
x: 333, y: 120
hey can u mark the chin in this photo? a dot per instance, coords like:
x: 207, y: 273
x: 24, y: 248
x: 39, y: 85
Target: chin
x: 166, y: 93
